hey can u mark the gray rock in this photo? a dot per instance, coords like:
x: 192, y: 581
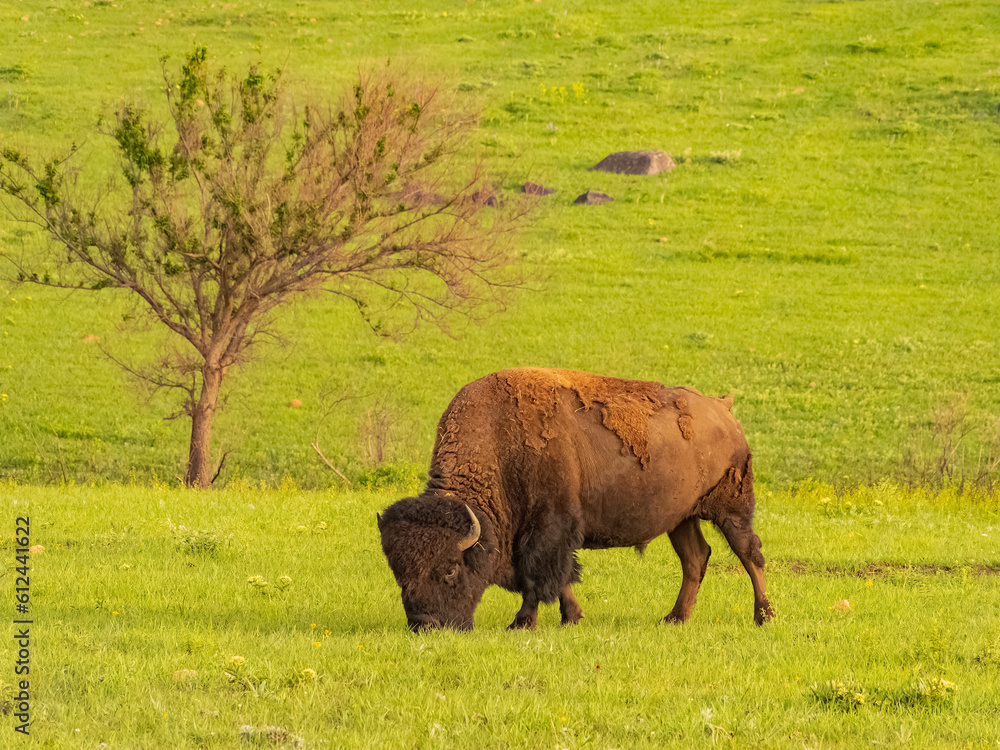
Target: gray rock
x: 593, y: 198
x: 485, y: 197
x: 419, y: 196
x: 636, y: 162
x: 532, y: 188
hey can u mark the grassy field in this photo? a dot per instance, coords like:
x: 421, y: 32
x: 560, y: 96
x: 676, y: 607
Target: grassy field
x: 826, y: 249
x: 166, y: 618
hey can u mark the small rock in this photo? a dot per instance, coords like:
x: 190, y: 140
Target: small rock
x: 593, y: 198
x: 532, y: 188
x: 842, y: 606
x: 294, y: 402
x: 36, y: 549
x: 185, y: 674
x: 90, y: 337
x: 419, y: 196
x: 485, y: 197
x: 636, y: 162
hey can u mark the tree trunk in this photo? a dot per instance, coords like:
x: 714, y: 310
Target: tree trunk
x: 199, y: 468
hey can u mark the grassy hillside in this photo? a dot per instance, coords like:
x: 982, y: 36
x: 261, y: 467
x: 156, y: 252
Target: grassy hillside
x: 826, y: 249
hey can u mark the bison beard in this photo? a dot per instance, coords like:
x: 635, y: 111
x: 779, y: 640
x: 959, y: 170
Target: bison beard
x: 531, y: 465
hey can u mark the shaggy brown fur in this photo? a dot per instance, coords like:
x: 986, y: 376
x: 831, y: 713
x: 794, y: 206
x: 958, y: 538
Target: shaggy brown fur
x: 552, y: 461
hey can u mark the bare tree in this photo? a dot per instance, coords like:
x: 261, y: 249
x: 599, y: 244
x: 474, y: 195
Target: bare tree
x: 241, y: 201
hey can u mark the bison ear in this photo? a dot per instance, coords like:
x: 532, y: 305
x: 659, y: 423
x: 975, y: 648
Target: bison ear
x: 378, y: 521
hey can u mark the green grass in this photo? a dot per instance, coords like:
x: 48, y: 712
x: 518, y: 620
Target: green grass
x: 826, y: 249
x: 124, y: 599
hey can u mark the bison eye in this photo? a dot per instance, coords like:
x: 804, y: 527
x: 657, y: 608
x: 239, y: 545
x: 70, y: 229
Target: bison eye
x: 452, y: 575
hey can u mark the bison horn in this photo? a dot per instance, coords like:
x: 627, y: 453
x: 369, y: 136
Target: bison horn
x: 474, y: 531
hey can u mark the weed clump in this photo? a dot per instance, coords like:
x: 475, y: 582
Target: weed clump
x: 847, y: 696
x: 7, y: 694
x: 840, y: 695
x: 866, y: 44
x: 402, y: 476
x: 940, y: 453
x: 198, y: 541
x: 990, y: 655
x: 725, y: 156
x: 262, y: 586
x: 270, y: 736
x: 933, y: 691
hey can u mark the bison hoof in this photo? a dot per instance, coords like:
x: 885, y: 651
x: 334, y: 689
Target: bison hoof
x: 523, y: 623
x: 673, y: 619
x: 572, y: 618
x: 762, y: 613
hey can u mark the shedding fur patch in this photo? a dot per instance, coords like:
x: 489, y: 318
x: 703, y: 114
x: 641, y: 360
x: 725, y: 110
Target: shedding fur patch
x: 732, y: 498
x: 685, y: 422
x: 626, y: 405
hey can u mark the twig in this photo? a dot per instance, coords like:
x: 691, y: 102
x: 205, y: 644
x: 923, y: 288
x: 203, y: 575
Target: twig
x: 316, y: 448
x: 62, y: 463
x: 222, y: 462
x: 41, y: 453
x: 319, y: 427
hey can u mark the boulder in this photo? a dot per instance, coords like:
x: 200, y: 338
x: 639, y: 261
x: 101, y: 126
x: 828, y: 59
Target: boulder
x: 593, y: 198
x: 532, y: 188
x: 636, y: 162
x: 485, y: 197
x: 419, y: 196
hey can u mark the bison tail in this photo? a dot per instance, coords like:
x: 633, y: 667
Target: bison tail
x: 746, y: 484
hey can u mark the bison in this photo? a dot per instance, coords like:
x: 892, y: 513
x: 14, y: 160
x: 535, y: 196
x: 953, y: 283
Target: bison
x: 531, y: 464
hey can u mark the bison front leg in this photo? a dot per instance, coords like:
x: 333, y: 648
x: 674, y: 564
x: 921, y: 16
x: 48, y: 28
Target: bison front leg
x: 527, y: 616
x: 691, y: 547
x: 546, y: 568
x: 746, y: 544
x: 569, y: 607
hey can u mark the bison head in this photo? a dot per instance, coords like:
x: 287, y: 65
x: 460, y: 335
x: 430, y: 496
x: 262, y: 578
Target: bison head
x: 438, y: 550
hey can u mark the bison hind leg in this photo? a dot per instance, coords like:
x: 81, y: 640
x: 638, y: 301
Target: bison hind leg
x: 746, y: 544
x: 730, y: 506
x: 690, y: 545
